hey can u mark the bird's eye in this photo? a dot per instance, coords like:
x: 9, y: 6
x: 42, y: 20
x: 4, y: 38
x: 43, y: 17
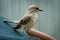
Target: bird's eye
x: 37, y: 8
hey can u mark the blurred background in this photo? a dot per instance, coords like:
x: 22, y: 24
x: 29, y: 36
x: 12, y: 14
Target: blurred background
x: 48, y: 19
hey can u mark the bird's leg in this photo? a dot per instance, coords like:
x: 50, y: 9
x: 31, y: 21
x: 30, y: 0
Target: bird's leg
x: 28, y: 34
x: 12, y: 21
x: 26, y: 30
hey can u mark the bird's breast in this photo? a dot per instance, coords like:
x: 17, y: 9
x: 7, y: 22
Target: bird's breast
x: 33, y: 22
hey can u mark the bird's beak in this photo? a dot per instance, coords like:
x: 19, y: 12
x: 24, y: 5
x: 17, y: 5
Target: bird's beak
x: 40, y: 10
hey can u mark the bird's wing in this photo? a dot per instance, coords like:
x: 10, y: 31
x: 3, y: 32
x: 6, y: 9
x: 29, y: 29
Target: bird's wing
x: 23, y: 21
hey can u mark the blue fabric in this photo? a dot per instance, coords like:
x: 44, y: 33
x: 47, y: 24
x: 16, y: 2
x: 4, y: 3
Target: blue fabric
x: 7, y: 32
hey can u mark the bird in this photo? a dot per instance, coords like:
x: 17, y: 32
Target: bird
x: 28, y: 20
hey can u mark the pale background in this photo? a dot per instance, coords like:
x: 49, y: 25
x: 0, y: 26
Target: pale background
x: 48, y: 19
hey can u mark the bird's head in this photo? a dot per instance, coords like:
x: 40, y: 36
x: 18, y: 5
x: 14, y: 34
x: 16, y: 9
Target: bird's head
x: 34, y: 9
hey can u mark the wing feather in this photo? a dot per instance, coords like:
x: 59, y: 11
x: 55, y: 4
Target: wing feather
x: 23, y: 21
